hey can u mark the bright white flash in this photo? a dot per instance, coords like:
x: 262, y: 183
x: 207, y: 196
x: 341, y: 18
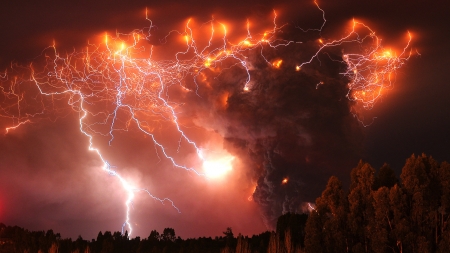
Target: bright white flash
x: 216, y: 165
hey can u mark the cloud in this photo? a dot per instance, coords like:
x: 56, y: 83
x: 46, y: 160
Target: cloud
x: 291, y: 124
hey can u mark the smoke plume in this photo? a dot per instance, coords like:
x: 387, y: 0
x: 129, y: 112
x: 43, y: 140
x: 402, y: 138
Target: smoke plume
x: 293, y: 125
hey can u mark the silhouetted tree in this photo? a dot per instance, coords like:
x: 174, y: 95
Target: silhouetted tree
x: 291, y: 225
x: 168, y: 235
x: 154, y: 236
x: 243, y: 245
x: 228, y: 233
x: 273, y: 243
x: 108, y: 243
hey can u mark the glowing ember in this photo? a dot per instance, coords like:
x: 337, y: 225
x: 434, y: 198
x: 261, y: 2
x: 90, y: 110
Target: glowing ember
x: 277, y: 64
x: 112, y: 88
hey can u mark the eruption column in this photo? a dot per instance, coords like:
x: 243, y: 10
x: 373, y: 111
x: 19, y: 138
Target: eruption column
x: 114, y: 85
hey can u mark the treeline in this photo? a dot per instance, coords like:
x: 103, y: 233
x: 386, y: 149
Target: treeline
x: 377, y: 214
x: 19, y: 240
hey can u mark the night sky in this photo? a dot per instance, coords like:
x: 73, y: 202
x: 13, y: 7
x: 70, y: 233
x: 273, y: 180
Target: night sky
x: 49, y: 179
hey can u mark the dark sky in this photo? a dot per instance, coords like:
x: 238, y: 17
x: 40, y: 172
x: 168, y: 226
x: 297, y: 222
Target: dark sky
x: 49, y: 179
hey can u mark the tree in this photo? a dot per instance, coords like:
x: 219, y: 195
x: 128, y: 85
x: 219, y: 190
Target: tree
x: 444, y: 244
x: 401, y: 232
x: 292, y: 225
x: 228, y: 233
x: 273, y: 243
x: 154, y: 236
x: 229, y: 239
x: 99, y: 242
x: 242, y: 245
x: 385, y: 177
x: 333, y: 207
x: 382, y: 222
x: 444, y: 208
x: 168, y: 235
x: 80, y: 244
x: 108, y: 242
x: 421, y: 183
x: 361, y: 210
x: 53, y: 248
x: 313, y: 236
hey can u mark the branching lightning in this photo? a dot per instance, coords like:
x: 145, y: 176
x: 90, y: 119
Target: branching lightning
x: 117, y: 84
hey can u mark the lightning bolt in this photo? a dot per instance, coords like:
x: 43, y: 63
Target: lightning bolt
x: 116, y: 83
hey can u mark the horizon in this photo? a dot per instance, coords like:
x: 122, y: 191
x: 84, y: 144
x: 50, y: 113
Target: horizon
x: 275, y: 149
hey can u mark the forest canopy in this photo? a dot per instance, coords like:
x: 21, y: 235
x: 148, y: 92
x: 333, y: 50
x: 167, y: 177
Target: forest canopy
x: 378, y: 213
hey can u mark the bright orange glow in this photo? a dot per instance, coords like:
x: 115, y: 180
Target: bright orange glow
x: 224, y: 29
x: 223, y: 100
x: 208, y: 62
x: 121, y: 48
x: 277, y: 64
x: 247, y: 43
x: 263, y: 39
x: 250, y: 198
x: 137, y: 88
x: 387, y: 54
x: 371, y: 72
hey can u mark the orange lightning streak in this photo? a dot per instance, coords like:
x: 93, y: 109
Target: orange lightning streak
x: 111, y: 89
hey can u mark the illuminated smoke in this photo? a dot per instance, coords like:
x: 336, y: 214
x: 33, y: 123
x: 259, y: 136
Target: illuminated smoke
x: 286, y: 125
x: 282, y: 105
